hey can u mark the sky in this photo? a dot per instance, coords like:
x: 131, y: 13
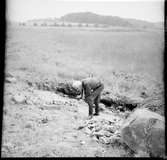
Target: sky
x: 22, y: 10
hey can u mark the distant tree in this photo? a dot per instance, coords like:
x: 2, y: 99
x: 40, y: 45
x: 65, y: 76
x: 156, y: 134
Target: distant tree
x: 96, y: 25
x: 55, y: 24
x: 80, y: 25
x: 44, y: 24
x: 22, y: 24
x: 35, y: 24
x: 105, y: 25
x: 69, y: 25
x: 63, y: 25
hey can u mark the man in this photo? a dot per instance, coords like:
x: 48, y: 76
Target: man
x: 91, y: 88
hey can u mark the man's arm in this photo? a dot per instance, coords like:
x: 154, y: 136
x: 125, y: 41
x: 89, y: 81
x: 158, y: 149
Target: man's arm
x: 82, y: 93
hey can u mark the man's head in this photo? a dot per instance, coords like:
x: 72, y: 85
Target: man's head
x: 77, y: 85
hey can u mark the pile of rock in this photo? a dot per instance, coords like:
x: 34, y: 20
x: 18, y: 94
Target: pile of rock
x: 143, y: 132
x: 104, y: 131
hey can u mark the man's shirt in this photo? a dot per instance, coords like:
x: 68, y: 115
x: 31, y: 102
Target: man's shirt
x: 90, y: 84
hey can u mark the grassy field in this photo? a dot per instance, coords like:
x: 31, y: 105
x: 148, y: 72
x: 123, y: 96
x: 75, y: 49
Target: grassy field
x: 125, y: 61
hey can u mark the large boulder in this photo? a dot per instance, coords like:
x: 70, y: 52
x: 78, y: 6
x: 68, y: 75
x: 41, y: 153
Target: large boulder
x: 9, y: 78
x: 144, y: 131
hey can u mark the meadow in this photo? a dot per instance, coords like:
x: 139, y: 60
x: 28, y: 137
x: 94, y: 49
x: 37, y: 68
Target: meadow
x: 126, y: 61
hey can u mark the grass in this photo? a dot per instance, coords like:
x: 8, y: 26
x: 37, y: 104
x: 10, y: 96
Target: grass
x: 126, y: 62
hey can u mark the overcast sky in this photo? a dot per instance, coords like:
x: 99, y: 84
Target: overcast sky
x: 22, y: 10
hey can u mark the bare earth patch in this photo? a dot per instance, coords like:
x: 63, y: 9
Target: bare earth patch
x: 45, y: 124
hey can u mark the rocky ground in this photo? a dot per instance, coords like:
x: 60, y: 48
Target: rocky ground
x: 39, y: 123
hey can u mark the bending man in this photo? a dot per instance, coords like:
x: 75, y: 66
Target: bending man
x: 92, y: 88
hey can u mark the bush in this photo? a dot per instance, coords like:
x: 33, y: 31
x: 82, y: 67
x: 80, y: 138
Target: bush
x: 96, y: 25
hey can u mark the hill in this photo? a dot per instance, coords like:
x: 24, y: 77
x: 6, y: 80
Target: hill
x: 89, y: 17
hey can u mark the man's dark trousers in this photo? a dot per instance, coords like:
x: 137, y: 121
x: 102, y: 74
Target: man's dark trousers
x: 94, y: 98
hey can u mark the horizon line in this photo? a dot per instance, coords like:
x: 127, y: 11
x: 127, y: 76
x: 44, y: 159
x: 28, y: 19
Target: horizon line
x: 50, y: 17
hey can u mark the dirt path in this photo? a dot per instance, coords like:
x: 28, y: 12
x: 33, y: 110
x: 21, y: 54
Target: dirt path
x: 37, y: 128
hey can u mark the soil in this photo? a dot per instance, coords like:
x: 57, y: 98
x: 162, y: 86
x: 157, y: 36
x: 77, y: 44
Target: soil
x: 40, y: 123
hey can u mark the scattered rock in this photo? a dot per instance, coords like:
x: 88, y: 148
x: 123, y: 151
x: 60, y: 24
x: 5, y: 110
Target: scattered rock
x: 144, y: 131
x: 102, y: 130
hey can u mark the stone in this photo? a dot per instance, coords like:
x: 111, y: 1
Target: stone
x: 111, y: 129
x: 19, y: 98
x: 102, y: 107
x: 10, y: 79
x: 8, y: 74
x: 114, y: 140
x: 87, y: 131
x: 99, y: 134
x: 97, y: 128
x: 144, y: 131
x: 82, y: 142
x: 104, y: 140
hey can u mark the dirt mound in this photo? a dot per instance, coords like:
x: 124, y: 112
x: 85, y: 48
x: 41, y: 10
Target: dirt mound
x: 68, y: 89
